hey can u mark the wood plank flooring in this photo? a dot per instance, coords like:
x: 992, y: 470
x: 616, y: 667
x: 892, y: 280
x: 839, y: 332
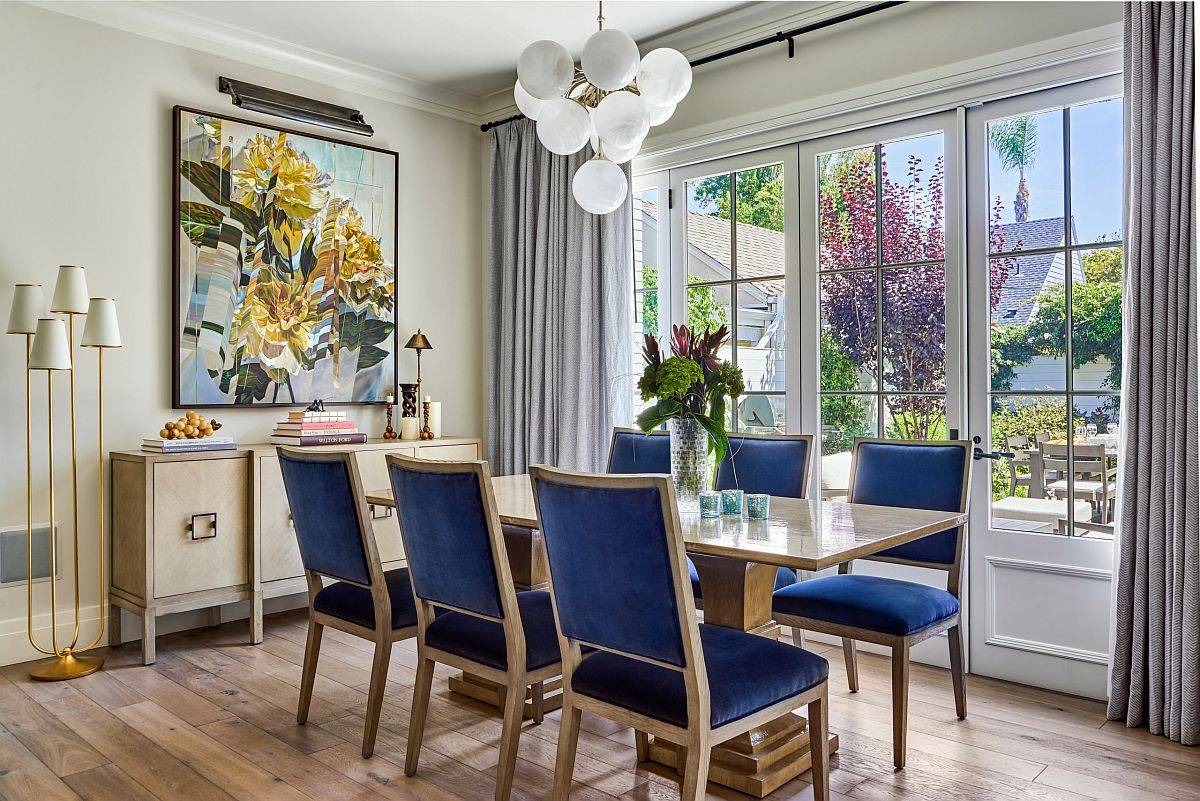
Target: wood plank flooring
x: 214, y: 720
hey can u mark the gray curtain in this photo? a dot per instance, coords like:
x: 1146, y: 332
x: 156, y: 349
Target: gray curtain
x: 561, y: 302
x: 1155, y: 680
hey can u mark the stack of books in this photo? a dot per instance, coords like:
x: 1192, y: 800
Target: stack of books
x: 303, y: 428
x: 157, y: 445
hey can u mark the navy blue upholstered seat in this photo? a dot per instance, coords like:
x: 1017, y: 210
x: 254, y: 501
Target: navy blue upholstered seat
x: 483, y: 640
x: 746, y: 673
x: 354, y: 604
x: 867, y: 602
x: 635, y: 452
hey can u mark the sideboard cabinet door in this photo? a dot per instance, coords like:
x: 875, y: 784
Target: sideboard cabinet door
x: 201, y: 525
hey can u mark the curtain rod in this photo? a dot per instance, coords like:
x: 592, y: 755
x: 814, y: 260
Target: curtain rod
x: 778, y: 38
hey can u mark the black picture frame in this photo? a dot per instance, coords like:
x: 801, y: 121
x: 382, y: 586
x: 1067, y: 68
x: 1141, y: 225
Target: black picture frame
x: 177, y: 113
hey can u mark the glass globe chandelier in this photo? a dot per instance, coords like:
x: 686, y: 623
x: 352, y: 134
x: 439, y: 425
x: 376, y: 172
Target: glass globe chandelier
x: 611, y: 100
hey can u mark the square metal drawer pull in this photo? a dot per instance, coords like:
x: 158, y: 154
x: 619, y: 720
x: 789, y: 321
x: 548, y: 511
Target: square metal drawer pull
x: 206, y: 529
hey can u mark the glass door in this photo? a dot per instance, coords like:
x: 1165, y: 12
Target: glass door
x: 1045, y: 277
x: 882, y: 288
x: 735, y: 255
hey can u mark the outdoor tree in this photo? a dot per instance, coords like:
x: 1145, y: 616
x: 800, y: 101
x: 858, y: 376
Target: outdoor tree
x: 1016, y: 143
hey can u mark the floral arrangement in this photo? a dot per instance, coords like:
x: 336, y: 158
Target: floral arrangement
x: 693, y: 382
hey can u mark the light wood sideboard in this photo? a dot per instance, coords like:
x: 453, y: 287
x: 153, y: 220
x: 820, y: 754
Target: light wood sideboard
x: 198, y: 530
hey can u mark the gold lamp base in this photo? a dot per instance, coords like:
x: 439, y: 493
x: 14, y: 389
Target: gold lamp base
x: 67, y: 666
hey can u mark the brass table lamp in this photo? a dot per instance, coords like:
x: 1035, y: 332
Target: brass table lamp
x: 418, y: 342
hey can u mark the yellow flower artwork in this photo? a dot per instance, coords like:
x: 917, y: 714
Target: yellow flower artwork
x: 285, y: 266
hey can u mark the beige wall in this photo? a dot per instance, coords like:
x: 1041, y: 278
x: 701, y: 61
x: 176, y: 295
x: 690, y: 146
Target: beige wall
x: 86, y: 144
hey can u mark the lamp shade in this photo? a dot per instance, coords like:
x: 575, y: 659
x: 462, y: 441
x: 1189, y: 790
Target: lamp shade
x: 101, y: 330
x: 70, y: 291
x: 26, y: 308
x: 418, y: 341
x: 50, y: 350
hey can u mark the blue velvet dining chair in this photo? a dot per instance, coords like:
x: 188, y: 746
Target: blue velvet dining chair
x: 333, y: 530
x: 634, y: 451
x: 913, y: 474
x: 767, y: 464
x: 469, y: 615
x: 632, y: 649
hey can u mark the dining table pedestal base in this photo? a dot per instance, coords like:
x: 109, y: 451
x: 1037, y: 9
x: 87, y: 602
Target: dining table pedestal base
x: 489, y: 692
x: 756, y: 763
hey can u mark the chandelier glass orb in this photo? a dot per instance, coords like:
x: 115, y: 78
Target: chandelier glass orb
x: 612, y: 99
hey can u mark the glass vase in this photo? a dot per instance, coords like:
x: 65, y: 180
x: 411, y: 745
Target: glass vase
x: 689, y: 462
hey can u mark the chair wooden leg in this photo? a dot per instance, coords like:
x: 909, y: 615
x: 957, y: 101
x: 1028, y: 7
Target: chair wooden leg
x: 379, y: 671
x: 956, y: 672
x: 695, y: 768
x: 416, y: 719
x: 797, y: 637
x: 850, y: 652
x: 899, y: 702
x: 510, y: 737
x: 818, y: 744
x: 568, y: 741
x: 308, y: 675
x: 537, y: 700
x: 641, y: 741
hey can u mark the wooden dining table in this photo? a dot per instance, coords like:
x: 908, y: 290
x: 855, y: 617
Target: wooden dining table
x: 736, y: 559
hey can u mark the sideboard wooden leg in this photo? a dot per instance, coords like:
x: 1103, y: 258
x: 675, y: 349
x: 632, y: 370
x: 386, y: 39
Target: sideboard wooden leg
x: 114, y: 625
x: 148, y: 629
x: 256, y: 618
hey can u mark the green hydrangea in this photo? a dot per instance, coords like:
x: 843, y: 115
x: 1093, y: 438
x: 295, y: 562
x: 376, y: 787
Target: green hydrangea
x: 648, y: 384
x: 728, y: 380
x: 675, y: 377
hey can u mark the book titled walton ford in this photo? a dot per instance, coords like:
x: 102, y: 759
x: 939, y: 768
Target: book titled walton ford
x: 308, y: 427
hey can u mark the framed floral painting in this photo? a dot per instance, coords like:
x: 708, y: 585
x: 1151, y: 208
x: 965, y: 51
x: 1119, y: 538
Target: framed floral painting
x: 284, y: 266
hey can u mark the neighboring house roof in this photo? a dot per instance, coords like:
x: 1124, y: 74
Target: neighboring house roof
x: 1034, y: 273
x: 760, y: 251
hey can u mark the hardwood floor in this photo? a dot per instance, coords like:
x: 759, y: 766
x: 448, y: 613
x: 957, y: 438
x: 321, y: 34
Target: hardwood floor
x: 214, y: 720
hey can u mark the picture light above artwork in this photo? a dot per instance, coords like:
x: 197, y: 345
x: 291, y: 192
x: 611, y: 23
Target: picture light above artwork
x: 294, y: 107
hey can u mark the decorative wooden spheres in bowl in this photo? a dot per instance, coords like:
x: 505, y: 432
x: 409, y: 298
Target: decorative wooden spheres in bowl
x: 191, y: 426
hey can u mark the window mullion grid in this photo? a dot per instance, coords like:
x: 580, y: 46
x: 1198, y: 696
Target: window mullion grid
x: 733, y: 321
x: 1069, y: 318
x: 879, y: 413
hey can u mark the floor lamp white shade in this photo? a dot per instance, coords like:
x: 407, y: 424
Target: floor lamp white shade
x: 70, y: 291
x: 26, y: 308
x: 50, y: 350
x: 101, y: 329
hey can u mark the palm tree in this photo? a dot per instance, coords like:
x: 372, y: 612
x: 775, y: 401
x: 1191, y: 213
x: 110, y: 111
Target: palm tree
x: 1016, y: 143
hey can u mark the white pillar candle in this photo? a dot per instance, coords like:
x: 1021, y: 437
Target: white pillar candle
x: 410, y: 428
x: 435, y: 418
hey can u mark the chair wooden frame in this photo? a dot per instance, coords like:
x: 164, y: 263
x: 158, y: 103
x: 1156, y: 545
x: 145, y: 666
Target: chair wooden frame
x: 516, y: 679
x: 901, y: 645
x: 383, y: 635
x: 698, y: 737
x: 1090, y: 460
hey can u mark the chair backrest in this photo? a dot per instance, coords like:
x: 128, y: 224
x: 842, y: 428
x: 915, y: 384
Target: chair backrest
x: 618, y: 573
x: 633, y: 451
x: 771, y: 464
x: 915, y: 474
x: 451, y: 534
x: 1089, y: 460
x: 329, y: 515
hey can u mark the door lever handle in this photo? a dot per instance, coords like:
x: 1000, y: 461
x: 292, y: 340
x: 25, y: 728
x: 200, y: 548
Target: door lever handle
x: 980, y: 453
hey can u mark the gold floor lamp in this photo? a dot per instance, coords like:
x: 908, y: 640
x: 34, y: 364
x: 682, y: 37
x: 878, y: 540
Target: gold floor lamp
x: 49, y: 347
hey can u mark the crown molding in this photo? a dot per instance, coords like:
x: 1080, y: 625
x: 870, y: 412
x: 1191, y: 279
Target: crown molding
x: 167, y: 24
x: 1076, y: 56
